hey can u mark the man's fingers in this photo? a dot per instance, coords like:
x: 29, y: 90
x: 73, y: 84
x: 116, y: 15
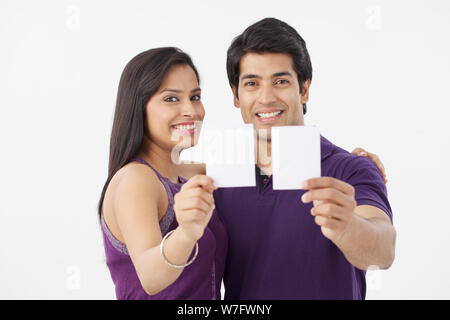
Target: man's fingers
x: 329, y: 210
x: 329, y: 195
x: 326, y: 222
x: 328, y: 182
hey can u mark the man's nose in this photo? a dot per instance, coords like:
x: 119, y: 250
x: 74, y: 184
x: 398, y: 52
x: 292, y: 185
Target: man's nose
x: 266, y: 95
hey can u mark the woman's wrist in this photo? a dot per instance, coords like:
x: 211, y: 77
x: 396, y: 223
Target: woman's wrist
x: 184, y: 236
x: 179, y: 236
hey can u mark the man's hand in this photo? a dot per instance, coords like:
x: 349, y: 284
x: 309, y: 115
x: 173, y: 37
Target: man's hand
x: 334, y: 204
x: 375, y: 159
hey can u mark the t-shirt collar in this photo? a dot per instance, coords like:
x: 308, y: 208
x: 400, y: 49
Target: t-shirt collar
x: 326, y: 148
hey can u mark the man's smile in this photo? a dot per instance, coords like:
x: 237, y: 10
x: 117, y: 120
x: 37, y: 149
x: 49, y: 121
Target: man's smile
x: 268, y: 116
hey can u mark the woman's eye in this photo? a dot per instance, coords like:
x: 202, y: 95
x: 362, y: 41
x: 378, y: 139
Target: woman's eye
x: 196, y: 98
x: 171, y: 99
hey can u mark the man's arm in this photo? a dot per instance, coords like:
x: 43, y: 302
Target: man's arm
x: 369, y: 239
x: 364, y: 234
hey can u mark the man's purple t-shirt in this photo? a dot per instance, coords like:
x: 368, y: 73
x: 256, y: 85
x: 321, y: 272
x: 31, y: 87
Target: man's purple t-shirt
x: 275, y: 249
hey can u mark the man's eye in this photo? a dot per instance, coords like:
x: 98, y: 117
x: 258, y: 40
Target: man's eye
x: 282, y: 81
x: 196, y: 98
x: 250, y: 83
x: 171, y: 99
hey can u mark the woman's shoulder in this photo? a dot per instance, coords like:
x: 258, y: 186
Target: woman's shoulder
x: 135, y: 179
x: 135, y: 175
x: 132, y: 186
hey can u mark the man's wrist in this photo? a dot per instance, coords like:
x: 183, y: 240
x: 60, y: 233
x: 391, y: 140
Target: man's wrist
x: 341, y: 238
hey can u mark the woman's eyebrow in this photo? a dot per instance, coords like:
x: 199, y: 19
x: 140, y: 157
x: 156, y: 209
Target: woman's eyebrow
x: 178, y: 90
x: 171, y: 90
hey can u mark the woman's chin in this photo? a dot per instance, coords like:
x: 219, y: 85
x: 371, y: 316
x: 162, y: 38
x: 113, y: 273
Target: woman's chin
x: 186, y: 143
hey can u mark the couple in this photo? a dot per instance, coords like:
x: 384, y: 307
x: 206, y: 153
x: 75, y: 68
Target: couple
x: 169, y: 233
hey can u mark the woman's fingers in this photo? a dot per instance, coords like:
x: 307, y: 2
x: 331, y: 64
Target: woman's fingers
x: 200, y: 180
x: 374, y: 158
x: 196, y: 193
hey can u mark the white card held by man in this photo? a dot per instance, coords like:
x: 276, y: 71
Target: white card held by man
x: 295, y: 155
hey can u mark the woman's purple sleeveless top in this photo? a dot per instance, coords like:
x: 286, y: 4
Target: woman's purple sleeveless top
x: 201, y: 280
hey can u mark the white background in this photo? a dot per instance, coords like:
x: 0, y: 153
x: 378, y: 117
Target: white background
x: 380, y: 81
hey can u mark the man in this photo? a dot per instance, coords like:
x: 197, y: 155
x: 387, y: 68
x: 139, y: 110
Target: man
x: 314, y: 243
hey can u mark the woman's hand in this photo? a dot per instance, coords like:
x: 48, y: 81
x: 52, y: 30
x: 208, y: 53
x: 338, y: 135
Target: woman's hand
x: 194, y: 205
x: 375, y: 159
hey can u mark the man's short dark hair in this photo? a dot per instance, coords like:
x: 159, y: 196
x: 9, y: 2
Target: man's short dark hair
x: 269, y: 35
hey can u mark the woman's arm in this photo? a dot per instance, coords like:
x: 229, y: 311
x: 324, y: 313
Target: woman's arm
x: 135, y: 204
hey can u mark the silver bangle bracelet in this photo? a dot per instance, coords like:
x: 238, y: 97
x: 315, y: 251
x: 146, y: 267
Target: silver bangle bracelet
x: 161, y: 246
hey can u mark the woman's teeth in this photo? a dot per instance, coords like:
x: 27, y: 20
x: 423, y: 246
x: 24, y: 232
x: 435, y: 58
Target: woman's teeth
x: 186, y: 127
x: 268, y: 114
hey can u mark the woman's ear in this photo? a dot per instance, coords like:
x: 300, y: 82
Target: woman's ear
x: 235, y: 97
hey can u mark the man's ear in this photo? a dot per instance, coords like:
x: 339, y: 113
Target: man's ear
x: 235, y: 97
x: 304, y: 96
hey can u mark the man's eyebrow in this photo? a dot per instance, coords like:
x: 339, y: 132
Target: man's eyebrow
x: 282, y: 73
x: 250, y: 76
x: 277, y: 74
x: 178, y: 91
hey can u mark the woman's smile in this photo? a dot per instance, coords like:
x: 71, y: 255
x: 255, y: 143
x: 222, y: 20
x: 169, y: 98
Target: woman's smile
x: 185, y: 128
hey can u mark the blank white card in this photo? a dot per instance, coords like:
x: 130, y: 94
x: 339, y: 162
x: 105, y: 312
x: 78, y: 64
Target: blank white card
x: 230, y: 156
x: 295, y: 155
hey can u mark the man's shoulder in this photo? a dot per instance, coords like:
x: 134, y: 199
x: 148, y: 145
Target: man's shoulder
x: 332, y: 155
x: 341, y: 164
x: 360, y: 172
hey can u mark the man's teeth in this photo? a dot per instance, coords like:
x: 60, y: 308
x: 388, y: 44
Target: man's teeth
x: 268, y: 114
x: 188, y: 127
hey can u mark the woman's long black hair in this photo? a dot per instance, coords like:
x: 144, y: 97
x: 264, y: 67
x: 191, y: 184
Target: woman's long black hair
x: 140, y: 79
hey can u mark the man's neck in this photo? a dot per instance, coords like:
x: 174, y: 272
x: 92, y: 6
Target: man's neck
x: 264, y: 155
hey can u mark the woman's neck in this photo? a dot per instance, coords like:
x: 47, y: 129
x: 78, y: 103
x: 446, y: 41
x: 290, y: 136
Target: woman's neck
x: 164, y: 161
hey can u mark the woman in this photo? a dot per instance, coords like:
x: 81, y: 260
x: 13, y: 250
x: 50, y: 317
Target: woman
x: 156, y: 215
x: 159, y: 97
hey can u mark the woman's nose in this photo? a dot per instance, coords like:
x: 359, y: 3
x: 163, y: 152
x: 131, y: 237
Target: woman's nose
x: 188, y: 109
